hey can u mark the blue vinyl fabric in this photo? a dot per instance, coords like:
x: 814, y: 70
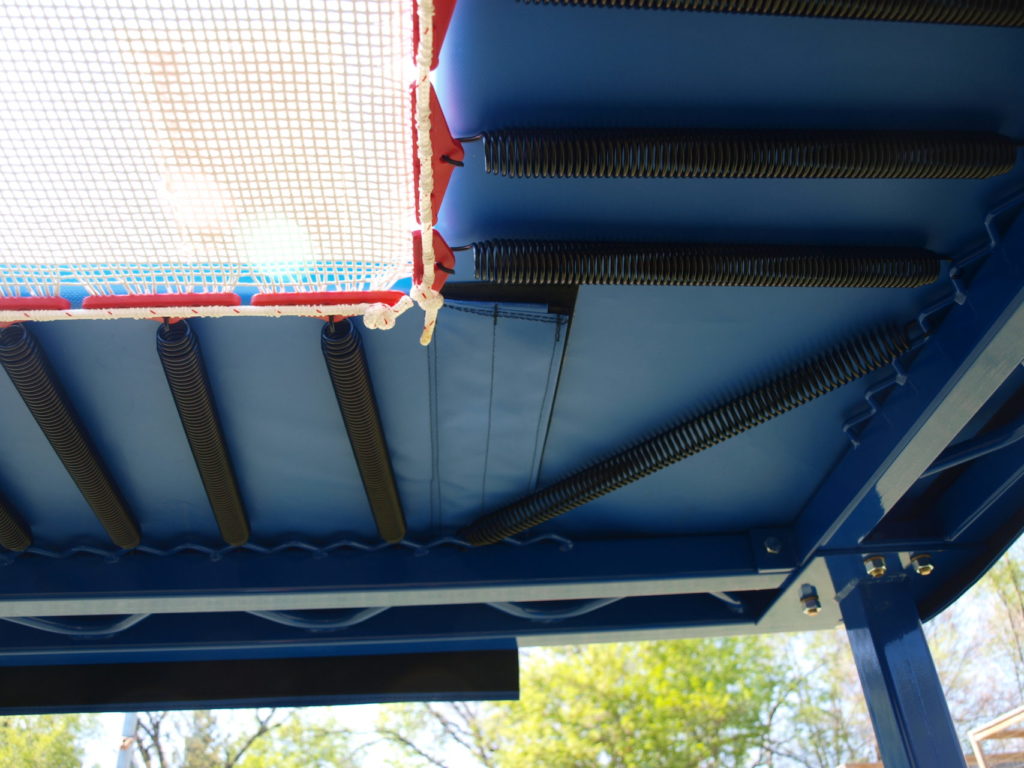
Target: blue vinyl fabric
x: 708, y: 346
x: 513, y: 65
x: 484, y: 391
x: 507, y: 64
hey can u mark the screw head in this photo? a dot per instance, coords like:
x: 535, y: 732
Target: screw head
x: 812, y: 605
x: 923, y: 564
x: 875, y: 566
x: 773, y: 545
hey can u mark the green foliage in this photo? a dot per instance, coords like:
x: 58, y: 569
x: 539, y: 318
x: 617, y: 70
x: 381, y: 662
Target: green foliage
x: 257, y: 739
x: 202, y: 743
x: 45, y: 741
x: 679, y: 703
x: 303, y: 740
x: 1005, y: 583
x: 641, y: 705
x: 823, y: 720
x: 423, y: 734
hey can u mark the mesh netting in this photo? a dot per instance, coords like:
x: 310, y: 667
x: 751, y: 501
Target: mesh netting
x: 154, y: 146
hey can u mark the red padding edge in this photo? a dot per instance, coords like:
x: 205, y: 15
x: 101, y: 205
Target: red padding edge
x: 443, y: 10
x: 443, y: 256
x: 443, y: 146
x: 160, y: 300
x: 326, y: 297
x: 30, y: 303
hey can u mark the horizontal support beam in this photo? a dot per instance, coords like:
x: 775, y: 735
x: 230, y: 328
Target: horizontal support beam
x: 979, y: 489
x: 167, y: 637
x: 983, y: 445
x: 395, y: 576
x: 976, y: 347
x: 688, y: 632
x: 989, y: 520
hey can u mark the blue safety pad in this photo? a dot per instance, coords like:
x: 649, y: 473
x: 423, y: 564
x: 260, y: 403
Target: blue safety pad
x: 640, y: 358
x: 295, y: 468
x: 508, y: 64
x: 484, y: 390
x: 697, y: 348
x: 113, y: 380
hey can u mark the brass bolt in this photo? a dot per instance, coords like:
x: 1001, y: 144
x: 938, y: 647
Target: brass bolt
x: 773, y: 545
x: 875, y: 566
x: 811, y: 603
x: 923, y: 564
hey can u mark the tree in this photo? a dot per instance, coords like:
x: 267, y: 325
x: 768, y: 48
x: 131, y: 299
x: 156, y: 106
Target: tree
x: 202, y: 749
x: 305, y: 740
x: 677, y: 703
x: 1005, y: 585
x: 272, y: 739
x: 45, y: 741
x: 421, y: 734
x: 823, y: 720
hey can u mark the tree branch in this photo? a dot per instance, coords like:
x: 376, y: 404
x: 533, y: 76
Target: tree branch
x: 153, y: 731
x: 458, y: 735
x: 263, y: 728
x: 409, y: 745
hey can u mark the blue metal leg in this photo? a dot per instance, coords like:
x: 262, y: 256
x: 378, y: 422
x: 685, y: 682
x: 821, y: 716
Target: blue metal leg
x: 903, y: 692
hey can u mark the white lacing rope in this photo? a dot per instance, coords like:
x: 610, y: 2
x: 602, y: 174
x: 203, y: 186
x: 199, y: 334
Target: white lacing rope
x: 376, y: 315
x: 382, y: 316
x: 430, y: 301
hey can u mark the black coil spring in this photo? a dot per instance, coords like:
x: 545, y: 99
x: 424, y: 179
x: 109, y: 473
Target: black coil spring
x: 346, y: 364
x: 539, y: 262
x: 996, y: 13
x: 13, y: 535
x: 643, y: 153
x: 178, y: 349
x: 30, y: 374
x: 822, y: 374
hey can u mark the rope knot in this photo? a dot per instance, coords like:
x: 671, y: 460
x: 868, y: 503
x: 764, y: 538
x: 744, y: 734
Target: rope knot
x: 382, y: 317
x: 430, y: 302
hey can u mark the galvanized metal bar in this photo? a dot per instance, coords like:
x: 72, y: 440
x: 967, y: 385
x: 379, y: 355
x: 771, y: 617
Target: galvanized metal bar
x: 977, y: 346
x: 903, y: 691
x: 164, y: 637
x: 980, y: 486
x: 976, y: 448
x: 394, y: 576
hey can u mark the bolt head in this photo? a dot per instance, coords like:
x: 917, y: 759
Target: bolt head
x: 923, y: 564
x: 812, y: 605
x: 875, y: 566
x: 773, y: 545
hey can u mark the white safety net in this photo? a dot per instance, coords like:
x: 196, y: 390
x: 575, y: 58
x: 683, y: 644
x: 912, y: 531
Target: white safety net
x: 155, y: 146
